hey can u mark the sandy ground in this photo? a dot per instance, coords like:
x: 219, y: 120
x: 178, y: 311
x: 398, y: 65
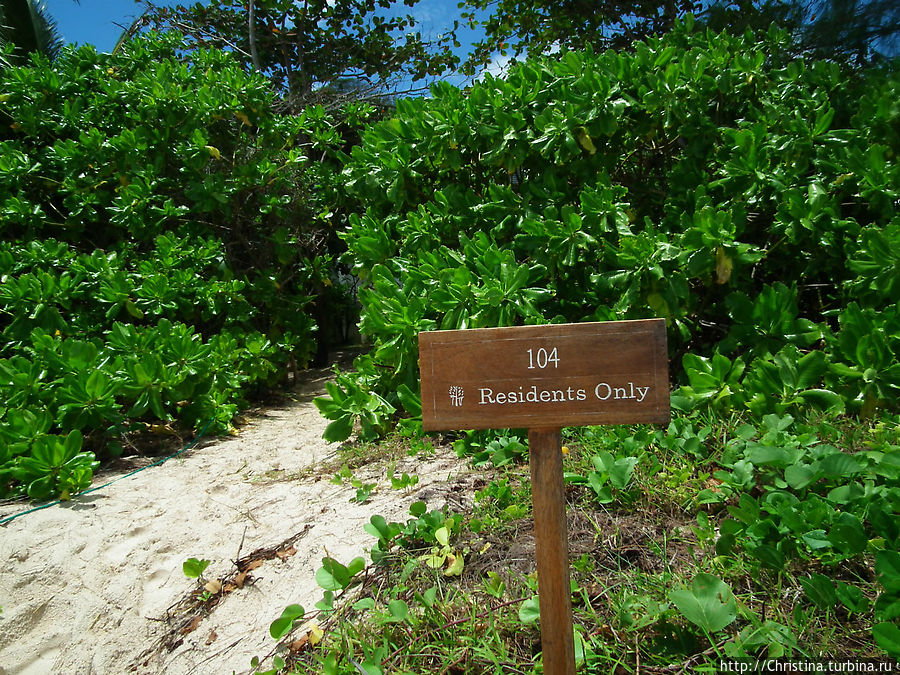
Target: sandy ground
x: 96, y: 585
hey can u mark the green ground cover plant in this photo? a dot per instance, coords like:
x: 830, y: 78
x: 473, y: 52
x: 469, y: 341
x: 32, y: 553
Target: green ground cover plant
x: 164, y: 237
x: 658, y: 582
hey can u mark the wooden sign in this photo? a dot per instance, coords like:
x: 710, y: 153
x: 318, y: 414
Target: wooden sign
x: 577, y: 374
x: 544, y: 378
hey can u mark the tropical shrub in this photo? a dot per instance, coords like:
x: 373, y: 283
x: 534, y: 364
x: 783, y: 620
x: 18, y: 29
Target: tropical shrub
x: 747, y: 197
x: 163, y: 235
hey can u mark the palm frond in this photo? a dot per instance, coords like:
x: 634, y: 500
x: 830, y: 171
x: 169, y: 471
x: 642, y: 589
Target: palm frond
x: 28, y: 27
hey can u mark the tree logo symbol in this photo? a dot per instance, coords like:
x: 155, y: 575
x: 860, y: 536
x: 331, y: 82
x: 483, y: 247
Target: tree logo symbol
x: 456, y: 396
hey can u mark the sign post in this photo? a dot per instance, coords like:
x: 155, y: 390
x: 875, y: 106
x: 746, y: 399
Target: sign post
x: 543, y: 378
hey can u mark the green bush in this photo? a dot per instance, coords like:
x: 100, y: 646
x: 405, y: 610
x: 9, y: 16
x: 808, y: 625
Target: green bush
x: 748, y: 198
x: 163, y: 235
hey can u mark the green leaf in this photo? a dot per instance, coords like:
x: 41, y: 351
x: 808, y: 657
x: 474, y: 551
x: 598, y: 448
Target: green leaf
x: 133, y: 309
x: 326, y: 604
x: 824, y: 115
x: 530, y: 610
x: 356, y: 566
x: 333, y: 576
x: 709, y: 603
x: 339, y: 430
x: 442, y: 535
x: 816, y: 539
x: 840, y: 465
x: 455, y: 568
x: 410, y: 400
x: 398, y: 610
x: 823, y: 399
x: 798, y: 475
x: 620, y: 473
x: 852, y: 597
x: 887, y: 636
x: 820, y: 590
x: 848, y: 537
x: 283, y: 625
x: 72, y: 444
x: 194, y: 568
x: 887, y: 568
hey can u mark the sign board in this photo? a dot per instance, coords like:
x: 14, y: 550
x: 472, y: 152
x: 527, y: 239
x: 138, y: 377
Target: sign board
x: 578, y: 374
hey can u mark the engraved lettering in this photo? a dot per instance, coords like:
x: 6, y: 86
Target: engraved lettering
x: 603, y: 391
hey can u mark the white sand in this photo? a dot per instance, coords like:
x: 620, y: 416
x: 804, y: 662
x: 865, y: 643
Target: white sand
x: 85, y: 587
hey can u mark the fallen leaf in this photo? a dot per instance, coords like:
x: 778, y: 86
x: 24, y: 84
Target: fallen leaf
x: 213, y: 636
x: 240, y: 578
x: 213, y: 586
x: 286, y: 553
x: 227, y: 588
x: 253, y: 564
x: 192, y: 626
x: 298, y: 644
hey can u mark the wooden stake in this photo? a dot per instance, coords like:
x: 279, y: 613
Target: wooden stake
x: 552, y: 551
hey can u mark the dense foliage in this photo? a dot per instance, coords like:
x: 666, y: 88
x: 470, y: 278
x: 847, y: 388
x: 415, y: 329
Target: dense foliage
x: 852, y: 31
x: 163, y: 233
x: 749, y: 198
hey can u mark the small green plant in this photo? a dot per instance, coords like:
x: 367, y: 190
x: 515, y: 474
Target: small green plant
x: 194, y: 568
x: 530, y: 610
x: 344, y: 474
x: 363, y: 490
x: 496, y: 451
x: 421, y: 529
x: 494, y: 585
x: 404, y: 482
x: 499, y: 501
x: 609, y: 472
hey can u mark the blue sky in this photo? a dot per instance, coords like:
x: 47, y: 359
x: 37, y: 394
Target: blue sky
x: 95, y: 21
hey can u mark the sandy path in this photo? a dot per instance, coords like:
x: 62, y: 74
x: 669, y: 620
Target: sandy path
x: 85, y: 587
